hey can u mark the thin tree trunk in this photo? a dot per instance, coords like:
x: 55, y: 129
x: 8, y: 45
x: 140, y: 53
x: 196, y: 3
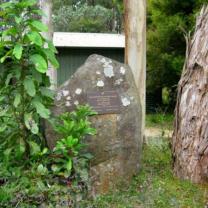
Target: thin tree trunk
x: 190, y: 137
x: 135, y: 50
x: 46, y: 6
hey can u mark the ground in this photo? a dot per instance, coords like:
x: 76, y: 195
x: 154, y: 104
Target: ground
x: 156, y: 186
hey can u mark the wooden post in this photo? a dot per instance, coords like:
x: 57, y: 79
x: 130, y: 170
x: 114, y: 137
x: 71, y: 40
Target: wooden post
x: 135, y: 50
x: 46, y: 6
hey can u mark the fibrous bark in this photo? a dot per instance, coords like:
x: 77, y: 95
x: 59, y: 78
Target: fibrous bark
x: 190, y: 137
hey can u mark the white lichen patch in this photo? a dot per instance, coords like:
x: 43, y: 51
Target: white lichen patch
x: 122, y: 70
x: 103, y: 60
x: 131, y: 98
x: 125, y: 101
x: 68, y: 104
x: 100, y: 83
x: 78, y: 91
x: 76, y: 102
x: 118, y: 118
x: 118, y: 81
x: 108, y: 71
x: 65, y: 93
x: 68, y: 98
x: 59, y: 96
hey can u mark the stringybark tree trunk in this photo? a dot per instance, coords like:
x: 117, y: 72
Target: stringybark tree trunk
x: 190, y: 137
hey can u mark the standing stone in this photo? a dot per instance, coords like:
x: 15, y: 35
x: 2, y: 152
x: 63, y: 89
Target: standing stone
x: 109, y: 87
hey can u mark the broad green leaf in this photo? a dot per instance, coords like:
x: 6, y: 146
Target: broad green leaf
x: 8, y: 79
x: 30, y: 87
x: 45, y: 151
x: 2, y: 98
x: 35, y: 38
x: 30, y: 123
x: 40, y: 184
x: 7, y: 55
x: 34, y: 128
x: 27, y: 118
x: 7, y: 152
x: 39, y: 12
x: 17, y: 51
x: 51, y: 57
x: 69, y: 165
x: 34, y: 148
x: 3, y: 128
x: 17, y: 72
x: 47, y: 92
x: 11, y: 31
x: 39, y: 26
x: 5, y: 5
x: 2, y: 13
x: 90, y: 131
x: 17, y: 100
x: 3, y: 112
x: 39, y: 62
x: 37, y: 76
x: 22, y: 146
x: 55, y: 168
x: 27, y: 3
x: 66, y: 174
x: 51, y: 46
x: 41, y: 109
x: 18, y: 19
x: 42, y: 170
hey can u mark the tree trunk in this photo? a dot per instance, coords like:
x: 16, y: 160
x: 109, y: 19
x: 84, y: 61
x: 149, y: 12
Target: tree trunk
x: 190, y: 137
x: 46, y: 6
x: 135, y: 50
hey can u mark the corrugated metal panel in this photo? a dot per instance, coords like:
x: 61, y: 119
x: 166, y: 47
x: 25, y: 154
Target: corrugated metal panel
x: 71, y: 59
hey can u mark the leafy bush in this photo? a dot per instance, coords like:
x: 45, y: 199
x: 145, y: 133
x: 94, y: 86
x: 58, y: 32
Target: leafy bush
x: 24, y: 94
x: 29, y: 172
x: 69, y: 157
x: 62, y: 172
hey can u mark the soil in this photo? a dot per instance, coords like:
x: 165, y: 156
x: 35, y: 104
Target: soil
x: 157, y: 132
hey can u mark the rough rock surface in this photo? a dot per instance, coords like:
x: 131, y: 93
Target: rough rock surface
x: 117, y: 145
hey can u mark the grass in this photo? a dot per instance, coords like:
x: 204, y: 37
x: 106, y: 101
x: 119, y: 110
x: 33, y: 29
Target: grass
x: 160, y: 120
x: 155, y: 186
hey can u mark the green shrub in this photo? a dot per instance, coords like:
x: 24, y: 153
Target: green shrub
x: 54, y: 177
x: 29, y: 172
x: 24, y: 94
x: 72, y: 127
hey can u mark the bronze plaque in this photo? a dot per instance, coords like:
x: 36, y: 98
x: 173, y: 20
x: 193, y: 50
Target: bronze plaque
x: 106, y: 102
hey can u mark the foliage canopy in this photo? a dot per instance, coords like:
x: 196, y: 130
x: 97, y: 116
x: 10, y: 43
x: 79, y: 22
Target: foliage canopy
x: 88, y: 16
x: 167, y: 23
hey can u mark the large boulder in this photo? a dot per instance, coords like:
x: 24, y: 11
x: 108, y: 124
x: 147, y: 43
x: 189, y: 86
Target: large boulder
x: 109, y: 87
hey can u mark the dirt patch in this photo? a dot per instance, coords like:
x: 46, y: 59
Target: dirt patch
x: 157, y: 132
